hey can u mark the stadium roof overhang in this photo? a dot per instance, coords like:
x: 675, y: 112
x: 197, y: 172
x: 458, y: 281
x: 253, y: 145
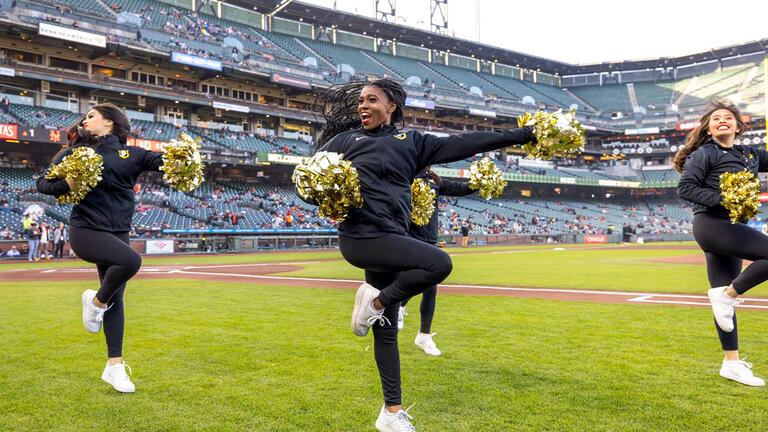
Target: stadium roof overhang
x: 321, y: 16
x: 352, y: 23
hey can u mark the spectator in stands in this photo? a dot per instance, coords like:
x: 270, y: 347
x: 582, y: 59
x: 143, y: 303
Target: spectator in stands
x: 708, y: 153
x: 361, y: 122
x: 33, y: 241
x: 466, y: 226
x: 5, y: 233
x: 13, y: 253
x: 26, y: 223
x: 42, y: 249
x: 60, y: 239
x: 100, y: 223
x: 6, y: 104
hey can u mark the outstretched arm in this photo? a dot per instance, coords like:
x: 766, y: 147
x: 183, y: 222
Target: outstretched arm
x: 436, y: 150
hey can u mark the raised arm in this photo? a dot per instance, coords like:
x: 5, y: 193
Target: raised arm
x: 436, y: 150
x: 454, y: 188
x: 151, y: 161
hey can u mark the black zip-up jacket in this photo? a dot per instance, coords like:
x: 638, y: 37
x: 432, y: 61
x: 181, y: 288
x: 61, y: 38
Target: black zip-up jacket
x: 428, y: 233
x: 110, y: 205
x: 700, y: 181
x: 387, y: 161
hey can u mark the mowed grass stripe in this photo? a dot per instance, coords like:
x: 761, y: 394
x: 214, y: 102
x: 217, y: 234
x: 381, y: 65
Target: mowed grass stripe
x: 233, y: 357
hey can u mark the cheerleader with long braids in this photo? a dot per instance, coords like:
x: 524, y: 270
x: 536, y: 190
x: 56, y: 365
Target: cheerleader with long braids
x: 708, y: 153
x: 361, y: 123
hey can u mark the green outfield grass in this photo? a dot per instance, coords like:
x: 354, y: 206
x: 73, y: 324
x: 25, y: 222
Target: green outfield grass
x: 244, y: 357
x: 632, y: 268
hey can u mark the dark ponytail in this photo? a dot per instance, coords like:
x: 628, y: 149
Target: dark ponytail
x: 121, y: 127
x: 338, y: 106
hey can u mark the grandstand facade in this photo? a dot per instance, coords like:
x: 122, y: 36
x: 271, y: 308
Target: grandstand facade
x: 244, y: 82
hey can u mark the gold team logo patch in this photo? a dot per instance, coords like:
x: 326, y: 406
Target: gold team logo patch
x: 123, y: 154
x: 401, y: 136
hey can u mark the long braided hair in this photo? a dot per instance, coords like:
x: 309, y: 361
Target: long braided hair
x: 338, y: 106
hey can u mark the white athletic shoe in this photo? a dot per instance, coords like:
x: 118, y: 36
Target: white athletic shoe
x: 364, y: 315
x: 740, y: 371
x: 425, y: 342
x: 92, y: 314
x: 722, y: 307
x: 401, y: 317
x: 394, y: 422
x: 116, y: 376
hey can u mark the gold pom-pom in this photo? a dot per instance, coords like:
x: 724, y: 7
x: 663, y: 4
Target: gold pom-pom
x: 486, y: 177
x: 331, y: 182
x: 422, y: 202
x: 555, y: 132
x: 741, y: 195
x: 84, y: 167
x: 182, y: 164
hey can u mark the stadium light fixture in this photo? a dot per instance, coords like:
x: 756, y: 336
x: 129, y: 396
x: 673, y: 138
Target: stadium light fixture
x: 280, y: 7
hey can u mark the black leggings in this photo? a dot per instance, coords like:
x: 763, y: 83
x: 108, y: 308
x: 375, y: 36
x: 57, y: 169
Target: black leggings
x: 401, y: 267
x: 58, y: 250
x: 117, y: 262
x: 427, y: 308
x: 725, y: 245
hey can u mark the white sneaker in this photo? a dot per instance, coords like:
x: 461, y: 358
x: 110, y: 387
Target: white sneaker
x: 740, y: 371
x: 401, y: 317
x: 364, y: 315
x: 116, y: 376
x: 722, y: 307
x: 394, y: 422
x: 92, y: 314
x: 425, y: 342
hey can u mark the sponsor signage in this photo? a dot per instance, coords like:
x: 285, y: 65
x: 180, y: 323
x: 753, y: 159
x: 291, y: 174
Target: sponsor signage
x: 618, y: 183
x: 155, y: 247
x: 592, y: 239
x: 291, y: 81
x: 72, y: 35
x: 5, y: 71
x: 191, y: 60
x: 231, y: 107
x: 9, y: 131
x: 250, y: 231
x: 687, y: 125
x: 285, y: 159
x: 567, y: 180
x: 641, y: 131
x: 147, y: 144
x: 419, y: 103
x: 482, y: 112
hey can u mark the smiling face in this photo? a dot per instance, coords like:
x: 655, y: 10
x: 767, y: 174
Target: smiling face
x: 374, y: 107
x: 723, y: 125
x: 95, y: 124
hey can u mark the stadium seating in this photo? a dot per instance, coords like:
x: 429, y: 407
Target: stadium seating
x: 46, y: 117
x: 610, y: 97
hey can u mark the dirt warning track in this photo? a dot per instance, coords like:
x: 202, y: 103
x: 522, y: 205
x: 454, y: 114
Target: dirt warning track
x: 273, y: 274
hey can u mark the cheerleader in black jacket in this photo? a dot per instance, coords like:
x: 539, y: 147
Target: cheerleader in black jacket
x: 360, y: 123
x: 428, y: 234
x: 708, y: 153
x: 100, y: 223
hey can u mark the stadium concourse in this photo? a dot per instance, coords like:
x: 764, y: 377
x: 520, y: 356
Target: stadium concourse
x: 244, y: 83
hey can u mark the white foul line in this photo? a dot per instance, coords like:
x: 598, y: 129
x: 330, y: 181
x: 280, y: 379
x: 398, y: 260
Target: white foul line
x: 635, y: 297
